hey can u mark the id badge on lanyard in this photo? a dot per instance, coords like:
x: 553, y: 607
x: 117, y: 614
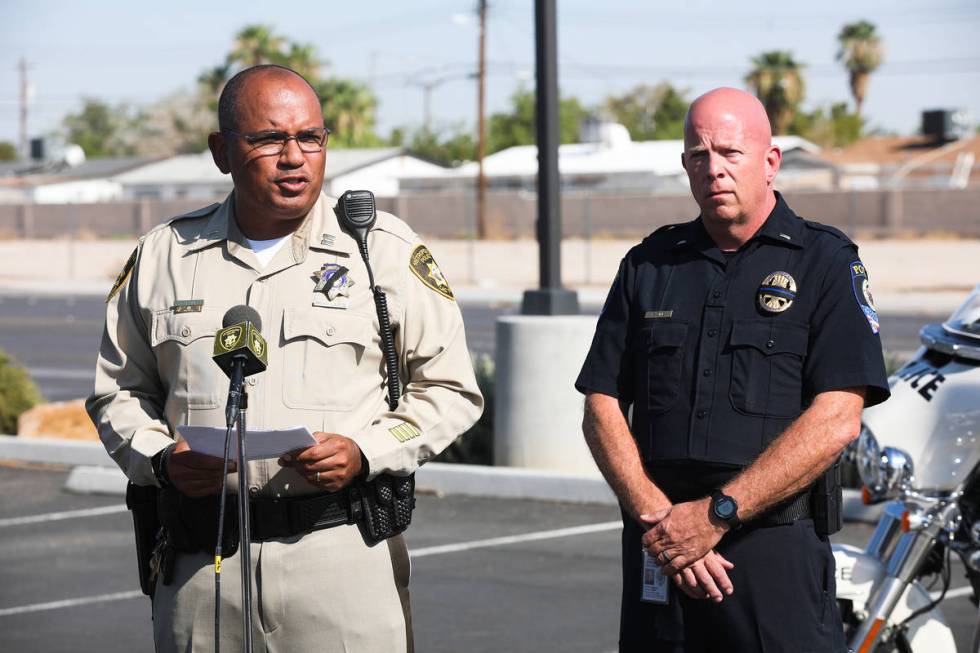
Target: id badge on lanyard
x: 656, y: 586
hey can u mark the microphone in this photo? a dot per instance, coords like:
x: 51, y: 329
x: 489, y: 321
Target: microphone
x: 240, y: 351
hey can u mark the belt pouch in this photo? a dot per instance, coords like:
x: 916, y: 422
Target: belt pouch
x: 827, y: 501
x: 386, y: 506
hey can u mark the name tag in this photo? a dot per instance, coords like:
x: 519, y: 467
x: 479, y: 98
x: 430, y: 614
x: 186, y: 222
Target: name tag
x: 654, y: 315
x: 188, y: 306
x: 656, y: 586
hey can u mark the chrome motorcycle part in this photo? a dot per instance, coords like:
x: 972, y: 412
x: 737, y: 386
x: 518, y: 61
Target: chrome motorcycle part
x: 897, y: 471
x: 869, y: 461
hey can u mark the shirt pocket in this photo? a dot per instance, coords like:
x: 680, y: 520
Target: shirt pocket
x: 322, y: 350
x: 767, y: 367
x: 665, y: 363
x: 184, y: 344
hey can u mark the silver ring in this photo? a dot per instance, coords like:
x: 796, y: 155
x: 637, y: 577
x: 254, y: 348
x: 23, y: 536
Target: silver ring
x: 317, y: 478
x: 665, y: 557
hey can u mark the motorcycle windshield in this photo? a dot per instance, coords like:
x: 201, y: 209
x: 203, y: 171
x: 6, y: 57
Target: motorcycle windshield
x: 933, y: 414
x: 965, y: 321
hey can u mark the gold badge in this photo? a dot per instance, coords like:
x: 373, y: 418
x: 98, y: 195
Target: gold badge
x: 777, y: 292
x: 231, y: 337
x: 428, y: 272
x: 123, y: 276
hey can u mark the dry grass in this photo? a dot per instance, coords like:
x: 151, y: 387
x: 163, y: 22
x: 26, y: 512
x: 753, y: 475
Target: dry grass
x: 62, y: 420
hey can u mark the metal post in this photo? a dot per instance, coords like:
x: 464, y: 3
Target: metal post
x: 550, y: 298
x: 481, y: 147
x: 244, y: 530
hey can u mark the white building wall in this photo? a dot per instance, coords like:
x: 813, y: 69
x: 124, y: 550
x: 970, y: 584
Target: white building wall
x: 380, y: 178
x: 72, y: 192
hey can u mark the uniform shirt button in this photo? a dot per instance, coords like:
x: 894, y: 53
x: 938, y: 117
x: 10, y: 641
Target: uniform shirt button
x: 716, y: 294
x: 770, y: 344
x: 186, y: 331
x: 253, y: 491
x: 701, y: 414
x: 707, y: 372
x: 712, y: 333
x: 331, y: 330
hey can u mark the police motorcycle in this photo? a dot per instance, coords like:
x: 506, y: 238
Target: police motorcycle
x: 919, y: 454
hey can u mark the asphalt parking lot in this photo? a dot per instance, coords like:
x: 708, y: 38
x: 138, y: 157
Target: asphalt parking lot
x: 488, y: 575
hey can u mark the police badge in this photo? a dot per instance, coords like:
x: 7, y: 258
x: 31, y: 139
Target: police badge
x: 333, y: 284
x: 777, y: 292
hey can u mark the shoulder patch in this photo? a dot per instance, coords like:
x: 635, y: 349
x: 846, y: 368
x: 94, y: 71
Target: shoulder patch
x: 123, y: 276
x: 427, y: 270
x: 862, y: 294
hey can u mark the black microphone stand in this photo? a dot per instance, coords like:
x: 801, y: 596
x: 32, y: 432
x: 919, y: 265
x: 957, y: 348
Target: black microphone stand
x: 237, y: 399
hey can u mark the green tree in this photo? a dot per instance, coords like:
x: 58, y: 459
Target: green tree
x: 776, y: 79
x: 8, y: 151
x: 448, y: 148
x: 103, y: 130
x: 518, y: 127
x: 836, y: 128
x: 254, y: 45
x: 348, y: 110
x: 861, y: 53
x: 649, y: 112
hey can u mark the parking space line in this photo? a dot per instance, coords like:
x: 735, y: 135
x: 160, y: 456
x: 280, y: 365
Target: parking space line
x: 418, y: 553
x: 515, y: 539
x: 58, y: 516
x: 70, y: 603
x: 952, y: 594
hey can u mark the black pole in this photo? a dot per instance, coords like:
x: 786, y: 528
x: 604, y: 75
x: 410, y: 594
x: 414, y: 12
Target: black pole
x: 550, y: 298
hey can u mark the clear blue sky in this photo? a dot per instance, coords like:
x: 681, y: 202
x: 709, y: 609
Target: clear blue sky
x: 138, y: 52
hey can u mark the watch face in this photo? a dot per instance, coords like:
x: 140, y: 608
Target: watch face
x: 725, y: 508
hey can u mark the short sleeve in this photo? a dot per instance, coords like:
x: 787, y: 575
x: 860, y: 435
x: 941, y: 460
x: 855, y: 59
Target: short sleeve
x: 845, y: 345
x: 606, y: 369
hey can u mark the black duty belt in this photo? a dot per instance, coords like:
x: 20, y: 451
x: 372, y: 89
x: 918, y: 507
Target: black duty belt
x: 274, y: 518
x: 786, y: 512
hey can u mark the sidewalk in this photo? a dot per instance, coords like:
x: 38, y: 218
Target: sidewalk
x: 907, y: 276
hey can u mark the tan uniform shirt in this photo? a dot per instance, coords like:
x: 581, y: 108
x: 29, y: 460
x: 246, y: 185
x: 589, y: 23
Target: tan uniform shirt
x: 326, y: 370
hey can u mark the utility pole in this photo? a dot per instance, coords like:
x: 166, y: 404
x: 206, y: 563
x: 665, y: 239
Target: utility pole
x: 481, y: 148
x: 550, y: 298
x: 25, y: 151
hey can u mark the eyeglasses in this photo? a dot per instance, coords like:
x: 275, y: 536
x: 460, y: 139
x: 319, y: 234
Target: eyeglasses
x: 310, y: 141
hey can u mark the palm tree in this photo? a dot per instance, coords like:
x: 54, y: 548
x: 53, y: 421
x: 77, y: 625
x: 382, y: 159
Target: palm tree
x: 254, y: 45
x: 777, y: 80
x: 861, y: 53
x: 302, y: 58
x: 348, y: 109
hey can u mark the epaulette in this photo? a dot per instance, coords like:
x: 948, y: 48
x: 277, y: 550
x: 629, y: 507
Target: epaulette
x: 395, y: 226
x: 197, y: 213
x: 834, y: 231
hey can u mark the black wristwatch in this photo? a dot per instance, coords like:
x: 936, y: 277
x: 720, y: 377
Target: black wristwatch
x: 159, y: 465
x: 725, y: 508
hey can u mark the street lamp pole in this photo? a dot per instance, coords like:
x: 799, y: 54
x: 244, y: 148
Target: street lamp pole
x: 550, y: 298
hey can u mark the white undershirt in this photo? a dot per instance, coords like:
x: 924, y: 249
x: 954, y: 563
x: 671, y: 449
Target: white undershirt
x: 266, y: 250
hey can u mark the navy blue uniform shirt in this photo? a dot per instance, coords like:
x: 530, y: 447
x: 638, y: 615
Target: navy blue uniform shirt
x: 719, y: 354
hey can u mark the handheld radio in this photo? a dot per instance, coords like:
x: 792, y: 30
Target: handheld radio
x: 356, y: 212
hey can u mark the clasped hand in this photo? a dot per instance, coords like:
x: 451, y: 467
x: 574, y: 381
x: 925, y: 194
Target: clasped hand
x: 681, y: 539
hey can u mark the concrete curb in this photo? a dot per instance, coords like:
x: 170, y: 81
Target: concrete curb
x: 94, y: 472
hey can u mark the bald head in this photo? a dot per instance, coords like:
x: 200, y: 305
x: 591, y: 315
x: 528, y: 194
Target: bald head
x: 730, y: 105
x: 230, y: 102
x: 731, y: 163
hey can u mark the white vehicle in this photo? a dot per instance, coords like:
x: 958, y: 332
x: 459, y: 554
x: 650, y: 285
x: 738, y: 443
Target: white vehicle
x: 920, y: 452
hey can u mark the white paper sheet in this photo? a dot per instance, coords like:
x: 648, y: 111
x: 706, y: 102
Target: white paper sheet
x: 269, y: 443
